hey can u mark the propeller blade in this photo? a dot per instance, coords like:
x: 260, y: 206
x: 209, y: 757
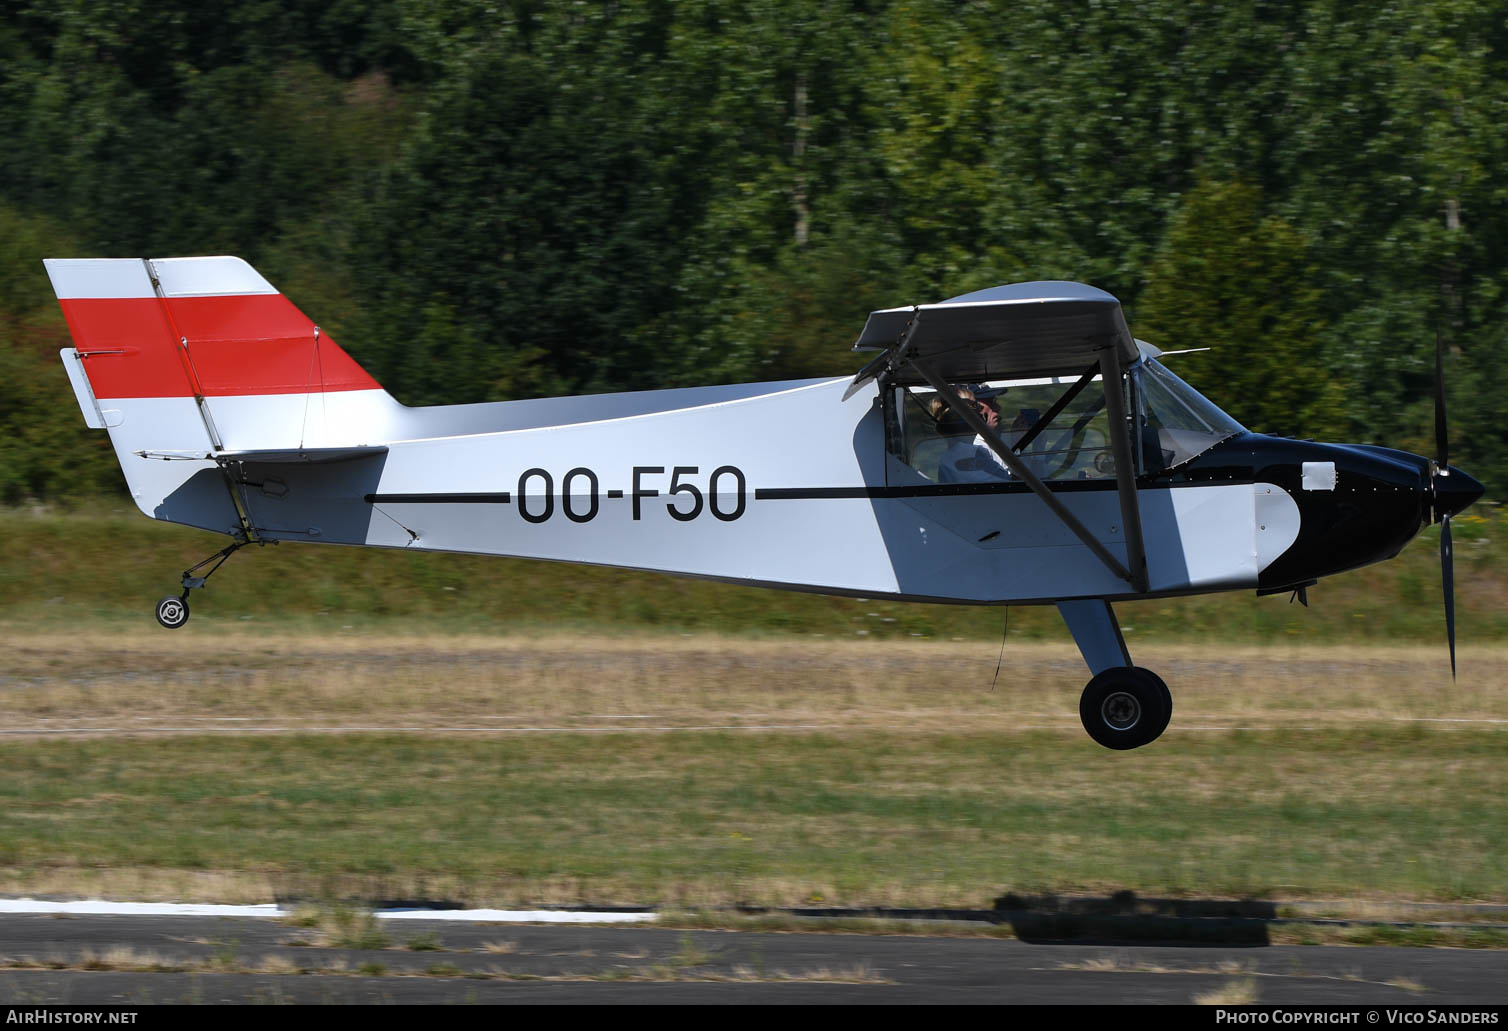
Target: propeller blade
x: 1441, y: 447
x: 1448, y: 582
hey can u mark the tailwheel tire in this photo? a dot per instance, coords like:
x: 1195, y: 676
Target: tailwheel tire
x: 1125, y: 707
x: 173, y: 611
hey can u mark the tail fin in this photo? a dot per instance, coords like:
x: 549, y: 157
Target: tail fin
x: 191, y: 358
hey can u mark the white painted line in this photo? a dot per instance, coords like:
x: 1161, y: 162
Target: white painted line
x: 101, y: 907
x: 514, y: 916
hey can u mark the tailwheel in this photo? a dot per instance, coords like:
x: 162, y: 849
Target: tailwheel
x: 1125, y: 707
x: 173, y: 611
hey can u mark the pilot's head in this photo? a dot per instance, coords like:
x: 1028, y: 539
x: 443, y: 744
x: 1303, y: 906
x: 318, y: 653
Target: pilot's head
x: 950, y: 423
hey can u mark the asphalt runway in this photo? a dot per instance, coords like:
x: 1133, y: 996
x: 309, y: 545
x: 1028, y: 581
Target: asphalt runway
x: 125, y: 960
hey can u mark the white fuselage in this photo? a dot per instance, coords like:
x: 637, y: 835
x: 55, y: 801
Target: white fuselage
x: 780, y: 485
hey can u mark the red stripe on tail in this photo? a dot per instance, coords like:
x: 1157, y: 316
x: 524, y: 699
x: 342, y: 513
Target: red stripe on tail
x: 247, y: 344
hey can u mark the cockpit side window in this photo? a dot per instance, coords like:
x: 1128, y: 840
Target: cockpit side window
x: 1073, y: 445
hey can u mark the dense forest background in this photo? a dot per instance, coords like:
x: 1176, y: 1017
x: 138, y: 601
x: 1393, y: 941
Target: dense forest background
x: 485, y: 200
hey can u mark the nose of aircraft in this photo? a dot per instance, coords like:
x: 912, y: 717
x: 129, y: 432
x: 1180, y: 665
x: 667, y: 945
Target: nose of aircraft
x: 1453, y: 491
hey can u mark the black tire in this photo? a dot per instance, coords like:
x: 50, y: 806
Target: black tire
x: 173, y: 611
x: 1125, y: 707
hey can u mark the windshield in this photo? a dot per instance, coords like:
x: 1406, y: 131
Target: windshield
x: 1177, y: 422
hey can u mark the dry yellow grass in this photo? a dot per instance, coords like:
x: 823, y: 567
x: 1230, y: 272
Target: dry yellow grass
x: 1236, y: 993
x: 158, y: 683
x: 919, y: 791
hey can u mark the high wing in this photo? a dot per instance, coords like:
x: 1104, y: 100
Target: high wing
x: 1019, y: 331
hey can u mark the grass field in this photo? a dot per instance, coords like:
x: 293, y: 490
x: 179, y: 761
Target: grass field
x: 709, y: 770
x: 360, y: 724
x: 105, y: 567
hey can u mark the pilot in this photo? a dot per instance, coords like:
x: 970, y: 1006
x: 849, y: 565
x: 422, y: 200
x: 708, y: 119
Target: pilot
x: 968, y: 458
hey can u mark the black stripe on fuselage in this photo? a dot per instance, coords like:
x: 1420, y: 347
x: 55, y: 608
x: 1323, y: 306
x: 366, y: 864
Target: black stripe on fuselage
x: 955, y: 490
x: 502, y: 498
x: 931, y: 490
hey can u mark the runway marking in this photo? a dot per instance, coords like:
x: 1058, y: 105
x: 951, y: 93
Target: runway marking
x: 102, y: 907
x: 512, y: 916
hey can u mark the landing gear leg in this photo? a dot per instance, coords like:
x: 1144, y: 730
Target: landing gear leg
x: 1124, y: 706
x: 173, y: 611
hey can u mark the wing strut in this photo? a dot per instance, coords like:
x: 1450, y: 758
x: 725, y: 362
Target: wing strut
x: 1125, y: 469
x: 1017, y: 467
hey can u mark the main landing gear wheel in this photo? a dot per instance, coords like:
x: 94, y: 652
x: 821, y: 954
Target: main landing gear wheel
x: 1126, y: 707
x: 173, y: 611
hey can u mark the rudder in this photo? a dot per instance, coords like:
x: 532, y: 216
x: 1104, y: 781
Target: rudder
x: 186, y: 358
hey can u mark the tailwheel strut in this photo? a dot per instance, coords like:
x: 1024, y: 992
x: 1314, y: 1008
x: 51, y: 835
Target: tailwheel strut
x: 173, y: 611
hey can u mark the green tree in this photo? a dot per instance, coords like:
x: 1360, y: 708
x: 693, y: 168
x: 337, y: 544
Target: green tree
x: 494, y: 198
x: 541, y: 202
x: 797, y: 242
x: 46, y: 451
x: 1230, y: 278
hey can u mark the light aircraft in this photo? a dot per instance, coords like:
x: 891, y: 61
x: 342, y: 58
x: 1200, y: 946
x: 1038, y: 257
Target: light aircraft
x: 1011, y: 446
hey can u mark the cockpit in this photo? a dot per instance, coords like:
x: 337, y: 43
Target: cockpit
x: 1058, y: 426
